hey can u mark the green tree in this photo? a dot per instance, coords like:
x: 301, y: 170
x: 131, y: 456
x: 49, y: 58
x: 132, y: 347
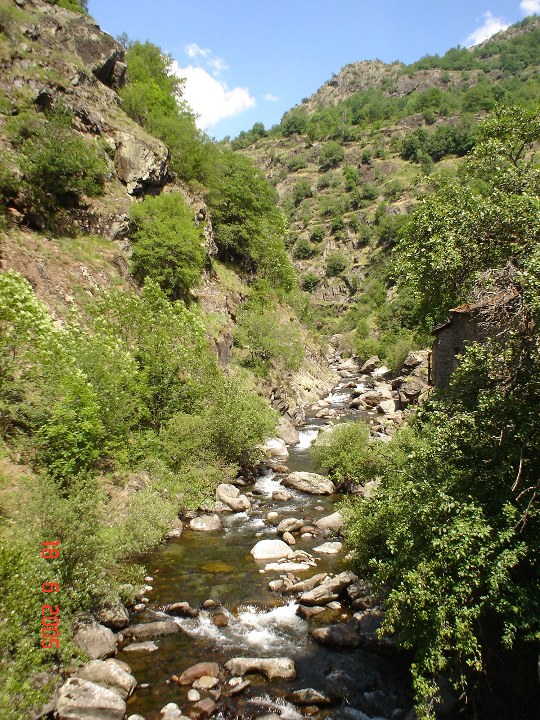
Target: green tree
x: 167, y: 245
x: 336, y: 264
x: 331, y: 155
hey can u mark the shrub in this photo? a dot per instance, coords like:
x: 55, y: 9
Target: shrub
x: 350, y: 174
x: 310, y: 281
x: 331, y: 155
x: 347, y: 454
x: 303, y: 249
x: 294, y: 122
x: 168, y: 247
x: 336, y: 264
x: 301, y: 190
x: 337, y: 224
x: 297, y: 163
x: 318, y: 234
x: 58, y: 165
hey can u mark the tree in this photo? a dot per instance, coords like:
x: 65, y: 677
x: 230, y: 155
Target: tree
x: 331, y: 155
x: 167, y: 246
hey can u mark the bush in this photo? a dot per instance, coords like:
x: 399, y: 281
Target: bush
x: 336, y: 264
x: 310, y: 281
x: 297, y: 163
x: 301, y: 190
x: 168, y: 247
x: 303, y: 249
x: 294, y: 122
x: 347, y: 454
x: 318, y: 234
x: 331, y: 155
x: 338, y: 224
x: 350, y: 174
x: 58, y: 165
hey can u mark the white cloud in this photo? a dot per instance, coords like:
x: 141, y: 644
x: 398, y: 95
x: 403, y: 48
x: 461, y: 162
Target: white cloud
x: 530, y: 7
x: 490, y: 26
x: 210, y: 98
x: 207, y: 57
x: 270, y: 98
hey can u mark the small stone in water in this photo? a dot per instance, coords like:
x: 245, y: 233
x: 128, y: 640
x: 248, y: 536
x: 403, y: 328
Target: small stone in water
x: 334, y: 605
x: 276, y: 585
x: 206, y: 682
x: 148, y: 588
x: 306, y: 536
x: 140, y: 607
x: 197, y: 671
x: 237, y: 689
x: 208, y: 604
x: 272, y: 517
x: 220, y: 620
x: 236, y: 681
x: 148, y: 579
x: 193, y: 696
x: 289, y: 538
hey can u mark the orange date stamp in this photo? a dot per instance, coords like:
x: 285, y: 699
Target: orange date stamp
x: 50, y: 614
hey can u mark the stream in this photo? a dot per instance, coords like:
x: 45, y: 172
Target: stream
x: 217, y: 566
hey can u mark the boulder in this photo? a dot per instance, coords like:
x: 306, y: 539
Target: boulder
x: 370, y: 365
x: 349, y: 366
x: 289, y: 525
x: 309, y: 696
x: 329, y: 590
x: 206, y: 682
x: 287, y: 432
x: 289, y: 538
x: 142, y: 631
x: 193, y: 695
x: 291, y: 567
x: 177, y: 528
x: 95, y: 640
x: 416, y: 359
x: 370, y: 621
x: 341, y: 636
x: 281, y: 496
x: 80, y: 699
x: 387, y: 407
x: 329, y: 548
x: 230, y: 495
x: 275, y: 448
x: 310, y: 483
x: 372, y: 398
x: 114, y: 616
x: 199, y: 670
x: 281, y: 668
x: 205, y: 523
x: 142, y: 647
x: 381, y: 372
x: 171, y: 711
x: 202, y: 709
x: 181, y: 609
x: 140, y: 163
x: 331, y: 522
x: 109, y: 674
x: 308, y: 584
x: 270, y: 550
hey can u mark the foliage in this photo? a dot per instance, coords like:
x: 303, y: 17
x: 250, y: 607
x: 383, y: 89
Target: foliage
x: 245, y: 139
x: 310, y: 281
x: 331, y: 155
x: 318, y: 234
x: 58, y: 165
x: 268, y: 337
x: 303, y: 249
x: 347, y: 454
x: 336, y: 264
x: 75, y: 5
x: 301, y: 190
x: 168, y: 247
x: 294, y: 122
x: 247, y: 223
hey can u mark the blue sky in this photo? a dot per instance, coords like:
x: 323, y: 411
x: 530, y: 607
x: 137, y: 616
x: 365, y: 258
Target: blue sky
x: 249, y: 61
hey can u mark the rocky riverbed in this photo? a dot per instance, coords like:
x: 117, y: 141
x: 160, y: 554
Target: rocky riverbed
x: 251, y: 609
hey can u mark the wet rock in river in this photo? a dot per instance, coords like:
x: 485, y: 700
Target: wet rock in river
x: 136, y: 717
x: 177, y: 527
x: 275, y: 448
x: 111, y: 675
x: 280, y: 668
x: 307, y: 613
x: 114, y: 616
x: 197, y: 671
x: 310, y: 483
x: 281, y: 496
x: 238, y: 687
x: 205, y: 523
x: 220, y: 620
x: 272, y: 517
x: 205, y: 682
x: 181, y: 609
x: 79, y: 698
x: 289, y: 525
x: 341, y: 636
x: 370, y: 365
x: 307, y: 584
x: 330, y: 589
x: 202, y: 709
x: 230, y: 496
x: 142, y: 647
x: 370, y: 621
x: 287, y: 432
x: 309, y: 696
x: 287, y: 567
x: 95, y: 640
x: 270, y: 550
x: 331, y: 522
x: 193, y: 695
x: 329, y: 548
x: 289, y: 538
x: 151, y: 629
x: 171, y: 711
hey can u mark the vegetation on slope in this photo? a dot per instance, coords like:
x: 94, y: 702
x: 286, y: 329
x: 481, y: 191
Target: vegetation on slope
x: 451, y: 536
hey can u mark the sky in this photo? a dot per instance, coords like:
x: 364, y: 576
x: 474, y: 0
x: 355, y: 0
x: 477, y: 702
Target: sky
x: 247, y: 61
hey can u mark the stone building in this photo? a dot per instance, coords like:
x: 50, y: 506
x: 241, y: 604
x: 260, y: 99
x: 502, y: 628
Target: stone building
x: 462, y: 327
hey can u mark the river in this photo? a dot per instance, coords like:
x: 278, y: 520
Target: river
x: 218, y: 566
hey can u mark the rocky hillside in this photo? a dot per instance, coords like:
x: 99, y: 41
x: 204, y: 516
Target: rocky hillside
x: 54, y: 58
x: 350, y: 161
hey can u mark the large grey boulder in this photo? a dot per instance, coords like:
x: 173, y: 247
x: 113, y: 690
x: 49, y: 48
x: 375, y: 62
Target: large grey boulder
x: 95, y: 640
x: 275, y: 449
x: 110, y: 674
x: 341, y: 636
x: 114, y: 616
x: 140, y: 163
x: 230, y: 495
x: 310, y: 483
x: 331, y: 522
x: 271, y: 550
x: 370, y: 365
x: 142, y: 631
x: 205, y: 523
x: 80, y: 699
x: 329, y: 590
x: 199, y: 670
x: 287, y: 432
x: 281, y: 668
